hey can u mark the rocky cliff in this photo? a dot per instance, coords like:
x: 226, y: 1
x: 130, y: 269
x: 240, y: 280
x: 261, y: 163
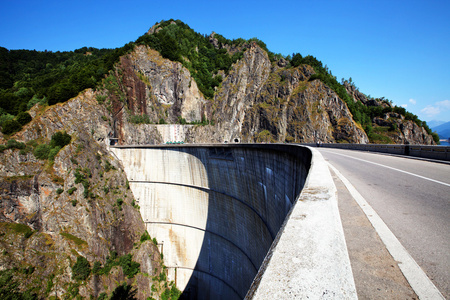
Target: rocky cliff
x: 69, y: 224
x: 259, y: 101
x: 394, y: 126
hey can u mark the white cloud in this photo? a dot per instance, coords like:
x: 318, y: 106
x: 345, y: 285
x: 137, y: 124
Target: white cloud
x: 404, y: 105
x: 412, y: 101
x: 431, y: 111
x: 444, y: 104
x: 436, y: 108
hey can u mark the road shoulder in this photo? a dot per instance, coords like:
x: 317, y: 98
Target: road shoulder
x: 376, y: 273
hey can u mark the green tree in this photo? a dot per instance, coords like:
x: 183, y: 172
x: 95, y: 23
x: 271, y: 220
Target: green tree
x: 11, y: 126
x: 23, y: 118
x: 296, y: 59
x: 42, y: 151
x: 124, y: 292
x: 81, y: 269
x: 60, y: 139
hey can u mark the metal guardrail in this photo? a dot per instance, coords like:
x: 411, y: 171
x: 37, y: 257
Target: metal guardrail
x: 424, y: 151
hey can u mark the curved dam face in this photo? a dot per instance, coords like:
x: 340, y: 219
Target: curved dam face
x: 215, y: 211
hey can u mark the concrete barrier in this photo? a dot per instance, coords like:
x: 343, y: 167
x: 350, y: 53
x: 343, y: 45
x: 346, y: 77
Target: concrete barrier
x: 228, y: 217
x: 423, y: 151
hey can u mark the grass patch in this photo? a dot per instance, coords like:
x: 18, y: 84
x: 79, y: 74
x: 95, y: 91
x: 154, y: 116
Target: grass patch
x: 376, y: 138
x: 16, y: 178
x: 76, y: 240
x: 20, y: 228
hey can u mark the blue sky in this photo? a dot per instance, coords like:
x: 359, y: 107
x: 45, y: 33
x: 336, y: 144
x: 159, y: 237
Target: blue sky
x: 393, y: 49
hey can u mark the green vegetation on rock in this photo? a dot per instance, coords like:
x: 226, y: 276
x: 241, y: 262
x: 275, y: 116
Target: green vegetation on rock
x: 81, y: 269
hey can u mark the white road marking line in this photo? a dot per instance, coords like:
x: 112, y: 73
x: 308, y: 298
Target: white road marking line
x: 419, y: 281
x: 381, y: 165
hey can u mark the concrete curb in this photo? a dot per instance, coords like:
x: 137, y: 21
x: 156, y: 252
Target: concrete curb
x: 309, y: 258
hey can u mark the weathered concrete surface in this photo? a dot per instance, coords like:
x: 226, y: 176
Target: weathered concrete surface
x: 216, y: 210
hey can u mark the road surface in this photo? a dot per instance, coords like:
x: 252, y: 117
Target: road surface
x: 412, y: 197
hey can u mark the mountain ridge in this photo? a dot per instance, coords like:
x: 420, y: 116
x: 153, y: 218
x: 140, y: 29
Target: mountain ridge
x: 209, y: 59
x: 443, y: 130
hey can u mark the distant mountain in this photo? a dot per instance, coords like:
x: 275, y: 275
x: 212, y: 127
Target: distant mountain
x: 442, y: 130
x: 435, y: 123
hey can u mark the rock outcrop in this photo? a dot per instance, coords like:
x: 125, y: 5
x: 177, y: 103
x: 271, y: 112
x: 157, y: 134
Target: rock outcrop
x: 76, y: 207
x: 262, y: 102
x: 258, y: 101
x: 394, y: 126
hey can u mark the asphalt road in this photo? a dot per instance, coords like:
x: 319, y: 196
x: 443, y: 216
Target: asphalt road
x: 412, y: 197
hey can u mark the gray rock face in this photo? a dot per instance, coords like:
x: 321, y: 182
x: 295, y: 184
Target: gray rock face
x: 69, y: 207
x: 261, y: 102
x: 169, y: 83
x: 257, y: 101
x: 400, y: 130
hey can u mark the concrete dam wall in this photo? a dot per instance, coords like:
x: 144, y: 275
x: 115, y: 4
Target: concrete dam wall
x: 217, y: 210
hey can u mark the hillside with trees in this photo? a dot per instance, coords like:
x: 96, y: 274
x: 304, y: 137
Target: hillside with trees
x: 30, y: 77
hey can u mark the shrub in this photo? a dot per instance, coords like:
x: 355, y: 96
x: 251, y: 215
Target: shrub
x: 119, y: 203
x: 140, y: 119
x: 11, y: 126
x: 59, y: 191
x: 129, y: 267
x: 12, y: 144
x: 101, y: 98
x: 123, y: 291
x: 81, y: 269
x: 60, y: 139
x: 5, y: 117
x: 35, y: 100
x: 102, y: 296
x: 97, y: 268
x: 42, y: 151
x: 436, y: 138
x: 71, y: 190
x: 83, y: 179
x: 23, y: 118
x: 108, y: 166
x: 53, y: 152
x: 171, y: 293
x: 145, y: 236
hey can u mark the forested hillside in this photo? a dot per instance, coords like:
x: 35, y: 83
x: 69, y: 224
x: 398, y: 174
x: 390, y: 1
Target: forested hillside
x: 30, y: 77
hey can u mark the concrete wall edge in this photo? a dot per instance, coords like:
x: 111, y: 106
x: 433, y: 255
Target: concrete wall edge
x: 309, y: 258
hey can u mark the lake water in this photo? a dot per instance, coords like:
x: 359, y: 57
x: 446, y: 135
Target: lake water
x: 445, y: 143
